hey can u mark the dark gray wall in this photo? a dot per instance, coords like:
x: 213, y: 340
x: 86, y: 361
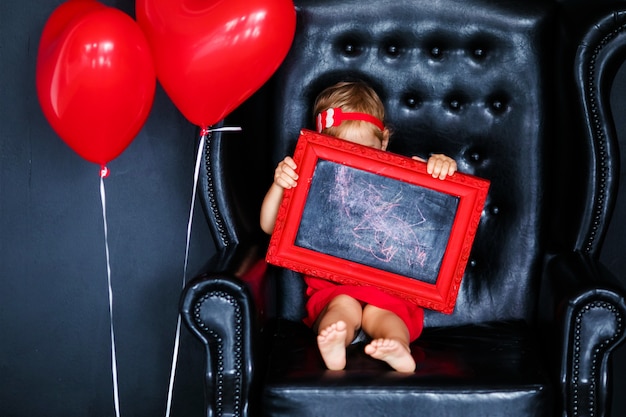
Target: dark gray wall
x: 54, y: 335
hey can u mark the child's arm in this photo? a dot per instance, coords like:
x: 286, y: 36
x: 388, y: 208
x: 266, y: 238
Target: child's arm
x: 285, y: 177
x: 439, y: 165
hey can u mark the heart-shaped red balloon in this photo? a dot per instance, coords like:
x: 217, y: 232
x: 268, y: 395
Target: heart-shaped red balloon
x: 211, y: 55
x: 95, y: 78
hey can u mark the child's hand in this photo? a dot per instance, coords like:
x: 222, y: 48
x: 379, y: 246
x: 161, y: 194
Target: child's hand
x: 439, y: 165
x: 285, y: 175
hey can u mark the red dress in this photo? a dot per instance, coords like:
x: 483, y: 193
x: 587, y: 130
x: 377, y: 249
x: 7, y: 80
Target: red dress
x: 321, y: 292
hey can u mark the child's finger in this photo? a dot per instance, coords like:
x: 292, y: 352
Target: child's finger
x: 290, y: 162
x: 285, y: 182
x: 434, y: 167
x: 441, y: 166
x: 453, y: 167
x: 288, y: 171
x: 448, y: 169
x: 444, y: 170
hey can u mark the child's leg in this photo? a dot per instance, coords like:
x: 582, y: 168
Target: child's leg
x: 390, y: 338
x: 336, y: 327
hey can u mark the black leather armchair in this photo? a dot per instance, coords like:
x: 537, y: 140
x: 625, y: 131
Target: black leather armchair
x: 517, y: 92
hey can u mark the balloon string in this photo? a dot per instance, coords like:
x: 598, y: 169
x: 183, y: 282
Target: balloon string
x: 206, y: 130
x: 116, y: 396
x: 196, y: 175
x: 204, y: 134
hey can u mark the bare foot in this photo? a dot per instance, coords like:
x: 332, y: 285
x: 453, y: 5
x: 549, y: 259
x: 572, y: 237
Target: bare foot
x: 332, y: 344
x: 393, y: 352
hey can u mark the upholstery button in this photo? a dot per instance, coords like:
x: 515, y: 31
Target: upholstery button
x: 495, y: 210
x: 393, y: 50
x: 455, y: 100
x: 349, y: 46
x: 475, y: 156
x: 479, y: 53
x: 412, y: 102
x: 472, y: 263
x: 498, y: 106
x: 435, y: 52
x: 497, y: 102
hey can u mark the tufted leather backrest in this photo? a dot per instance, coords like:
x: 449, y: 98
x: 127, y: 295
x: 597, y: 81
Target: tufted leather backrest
x: 468, y: 78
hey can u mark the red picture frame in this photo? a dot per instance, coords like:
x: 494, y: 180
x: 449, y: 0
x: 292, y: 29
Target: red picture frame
x: 361, y: 216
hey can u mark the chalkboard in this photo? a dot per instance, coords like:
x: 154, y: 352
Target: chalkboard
x: 362, y: 216
x: 376, y: 221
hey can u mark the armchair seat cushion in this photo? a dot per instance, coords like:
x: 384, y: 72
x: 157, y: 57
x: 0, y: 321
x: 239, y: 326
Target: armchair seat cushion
x: 467, y: 370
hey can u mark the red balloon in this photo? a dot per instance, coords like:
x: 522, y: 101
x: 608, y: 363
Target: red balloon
x: 211, y: 55
x: 60, y: 18
x: 95, y: 78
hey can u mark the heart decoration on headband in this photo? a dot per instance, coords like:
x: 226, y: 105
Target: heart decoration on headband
x: 335, y: 116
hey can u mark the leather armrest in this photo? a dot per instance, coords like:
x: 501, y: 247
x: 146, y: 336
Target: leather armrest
x: 219, y: 308
x: 590, y: 315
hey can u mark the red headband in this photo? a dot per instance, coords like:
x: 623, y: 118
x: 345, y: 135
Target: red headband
x: 335, y: 116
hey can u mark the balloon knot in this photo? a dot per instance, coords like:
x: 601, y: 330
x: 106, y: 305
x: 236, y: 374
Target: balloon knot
x: 205, y: 130
x: 104, y: 171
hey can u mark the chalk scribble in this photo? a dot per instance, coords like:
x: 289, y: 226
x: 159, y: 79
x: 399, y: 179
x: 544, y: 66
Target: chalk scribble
x: 380, y: 229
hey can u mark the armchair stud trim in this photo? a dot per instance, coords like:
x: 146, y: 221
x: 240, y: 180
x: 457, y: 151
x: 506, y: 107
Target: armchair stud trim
x: 602, y: 52
x: 599, y: 352
x: 218, y: 352
x: 219, y: 232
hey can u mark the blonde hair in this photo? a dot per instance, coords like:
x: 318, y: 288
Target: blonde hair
x: 351, y: 96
